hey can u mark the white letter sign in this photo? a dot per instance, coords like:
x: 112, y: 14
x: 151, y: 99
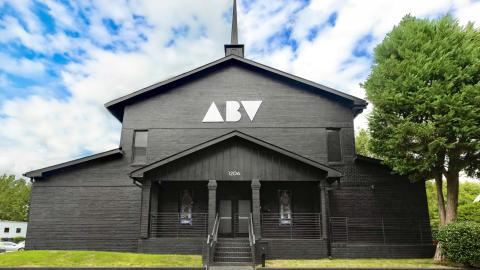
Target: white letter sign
x: 232, y: 113
x: 251, y: 107
x: 212, y: 115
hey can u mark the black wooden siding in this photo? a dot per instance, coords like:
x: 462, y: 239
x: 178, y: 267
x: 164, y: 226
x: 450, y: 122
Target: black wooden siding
x: 285, y: 105
x: 382, y: 251
x: 165, y: 245
x: 289, y: 117
x: 371, y: 192
x: 305, y: 196
x: 93, y: 206
x: 237, y: 155
x: 169, y: 196
x: 294, y: 249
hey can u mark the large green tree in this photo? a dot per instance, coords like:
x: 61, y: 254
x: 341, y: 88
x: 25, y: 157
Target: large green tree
x: 14, y: 196
x: 425, y: 89
x: 362, y: 143
x: 468, y: 210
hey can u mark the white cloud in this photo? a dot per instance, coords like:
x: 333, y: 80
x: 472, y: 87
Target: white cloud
x: 22, y: 66
x: 37, y: 131
x: 40, y: 130
x: 467, y: 11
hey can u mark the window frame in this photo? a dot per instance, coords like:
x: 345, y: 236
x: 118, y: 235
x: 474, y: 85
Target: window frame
x: 338, y: 130
x: 18, y: 230
x: 134, y: 161
x: 6, y: 230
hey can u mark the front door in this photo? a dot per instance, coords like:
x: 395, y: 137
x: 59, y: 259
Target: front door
x: 225, y: 214
x: 233, y: 215
x: 243, y: 215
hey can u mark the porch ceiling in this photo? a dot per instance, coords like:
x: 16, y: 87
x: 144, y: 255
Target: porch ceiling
x: 236, y: 156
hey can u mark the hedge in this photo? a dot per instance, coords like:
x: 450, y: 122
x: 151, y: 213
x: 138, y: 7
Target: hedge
x: 460, y: 242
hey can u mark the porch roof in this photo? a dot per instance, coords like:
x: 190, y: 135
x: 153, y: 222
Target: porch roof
x: 330, y: 172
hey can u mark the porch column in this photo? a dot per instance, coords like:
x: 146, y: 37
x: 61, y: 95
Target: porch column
x: 323, y: 186
x: 154, y: 193
x: 212, y: 203
x: 145, y: 209
x: 256, y: 207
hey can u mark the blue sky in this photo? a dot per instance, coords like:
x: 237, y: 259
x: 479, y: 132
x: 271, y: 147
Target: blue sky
x: 60, y: 61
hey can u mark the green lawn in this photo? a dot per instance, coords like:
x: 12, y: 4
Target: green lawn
x: 357, y: 263
x: 90, y: 258
x: 119, y: 259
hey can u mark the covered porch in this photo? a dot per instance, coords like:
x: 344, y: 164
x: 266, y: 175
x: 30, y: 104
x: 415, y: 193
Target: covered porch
x: 235, y: 186
x: 288, y: 210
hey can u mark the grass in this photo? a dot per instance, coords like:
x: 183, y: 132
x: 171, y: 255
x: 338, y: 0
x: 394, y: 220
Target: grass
x: 95, y: 258
x: 54, y: 258
x: 358, y: 263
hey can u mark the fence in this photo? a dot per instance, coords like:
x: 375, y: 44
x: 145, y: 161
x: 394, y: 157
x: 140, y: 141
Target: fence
x: 300, y: 226
x: 171, y: 225
x: 379, y: 231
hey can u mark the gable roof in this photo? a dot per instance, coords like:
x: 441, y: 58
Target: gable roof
x: 138, y: 173
x: 40, y: 172
x: 116, y: 106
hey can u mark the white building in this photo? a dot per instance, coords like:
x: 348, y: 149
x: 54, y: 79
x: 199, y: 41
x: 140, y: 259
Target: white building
x: 12, y: 229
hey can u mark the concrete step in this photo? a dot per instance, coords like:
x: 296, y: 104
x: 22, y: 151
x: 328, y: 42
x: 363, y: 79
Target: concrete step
x: 233, y: 244
x: 233, y: 249
x: 231, y: 265
x: 232, y: 240
x: 232, y: 254
x: 233, y: 259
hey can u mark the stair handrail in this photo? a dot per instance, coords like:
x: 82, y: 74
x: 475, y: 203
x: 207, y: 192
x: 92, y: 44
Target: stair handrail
x: 251, y: 233
x: 251, y: 239
x: 212, y: 236
x: 215, y: 230
x: 212, y: 241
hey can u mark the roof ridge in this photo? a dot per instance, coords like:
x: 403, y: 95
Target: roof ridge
x: 113, y: 105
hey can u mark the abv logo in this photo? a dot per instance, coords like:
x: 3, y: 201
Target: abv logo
x: 231, y: 111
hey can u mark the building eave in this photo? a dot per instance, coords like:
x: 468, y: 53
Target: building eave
x: 40, y: 172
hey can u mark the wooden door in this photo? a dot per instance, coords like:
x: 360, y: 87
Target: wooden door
x: 225, y: 214
x: 243, y: 215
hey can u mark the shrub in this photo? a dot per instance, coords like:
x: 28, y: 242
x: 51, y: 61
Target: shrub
x: 460, y: 242
x: 434, y: 231
x: 18, y: 239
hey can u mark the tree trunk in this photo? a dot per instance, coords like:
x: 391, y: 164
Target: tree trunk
x: 441, y: 213
x: 450, y: 214
x: 440, y: 199
x: 438, y: 257
x: 452, y: 196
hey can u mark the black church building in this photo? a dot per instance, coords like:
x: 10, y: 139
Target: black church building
x: 231, y: 160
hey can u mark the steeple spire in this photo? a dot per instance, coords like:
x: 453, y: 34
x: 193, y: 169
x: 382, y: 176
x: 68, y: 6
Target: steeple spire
x: 234, y: 39
x: 234, y: 47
